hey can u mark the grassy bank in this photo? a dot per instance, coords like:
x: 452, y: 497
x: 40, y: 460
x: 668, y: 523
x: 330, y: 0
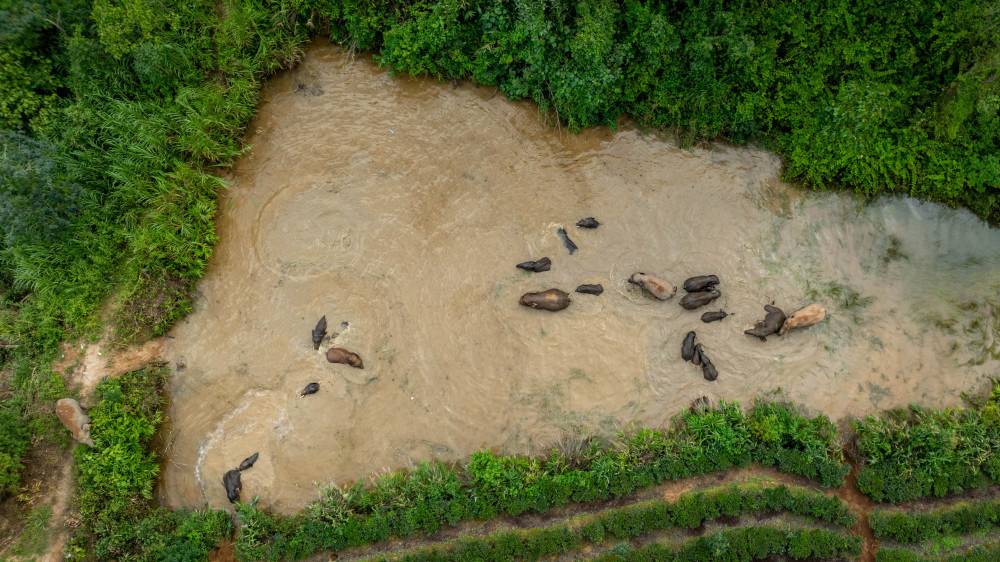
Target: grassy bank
x: 120, y: 520
x: 918, y: 452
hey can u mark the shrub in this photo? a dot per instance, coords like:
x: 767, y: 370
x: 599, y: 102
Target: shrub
x: 920, y: 452
x: 120, y: 518
x: 751, y: 543
x: 960, y: 519
x: 266, y: 537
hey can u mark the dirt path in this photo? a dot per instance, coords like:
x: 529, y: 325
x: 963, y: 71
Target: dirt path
x: 86, y: 368
x: 60, y: 527
x: 863, y: 506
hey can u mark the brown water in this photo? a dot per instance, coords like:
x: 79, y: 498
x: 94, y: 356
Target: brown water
x: 401, y: 207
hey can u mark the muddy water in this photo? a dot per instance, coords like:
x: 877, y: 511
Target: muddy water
x: 401, y: 207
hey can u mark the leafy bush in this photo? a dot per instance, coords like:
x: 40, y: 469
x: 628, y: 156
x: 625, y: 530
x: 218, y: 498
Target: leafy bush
x: 838, y: 89
x: 981, y: 553
x: 113, y: 115
x: 26, y: 415
x: 120, y: 518
x: 920, y: 452
x: 691, y: 510
x: 960, y: 519
x: 751, y: 543
x: 432, y: 495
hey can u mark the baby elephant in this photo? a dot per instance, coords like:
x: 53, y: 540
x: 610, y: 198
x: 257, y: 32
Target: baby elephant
x: 590, y: 289
x: 713, y: 316
x: 539, y: 266
x: 687, y: 347
x: 551, y: 300
x: 340, y: 355
x: 319, y: 332
x: 231, y: 479
x: 771, y: 324
x: 701, y: 283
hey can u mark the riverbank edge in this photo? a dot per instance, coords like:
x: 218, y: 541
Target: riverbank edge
x: 363, y: 513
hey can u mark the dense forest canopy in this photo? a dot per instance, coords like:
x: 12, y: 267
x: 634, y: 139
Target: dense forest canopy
x: 115, y: 116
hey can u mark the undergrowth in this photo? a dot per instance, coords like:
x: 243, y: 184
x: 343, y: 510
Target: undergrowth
x: 920, y: 452
x: 690, y: 511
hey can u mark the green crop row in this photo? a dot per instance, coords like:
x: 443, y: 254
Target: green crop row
x: 750, y: 543
x: 915, y: 453
x: 433, y: 495
x: 978, y: 554
x: 690, y: 510
x: 960, y: 519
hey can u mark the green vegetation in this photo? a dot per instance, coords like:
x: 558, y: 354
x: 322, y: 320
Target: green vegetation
x: 691, y: 511
x: 977, y: 554
x: 34, y: 538
x: 915, y: 453
x: 120, y: 519
x: 948, y: 528
x: 751, y: 543
x: 115, y: 114
x: 27, y: 415
x: 122, y: 522
x: 879, y: 97
x: 959, y: 519
x: 432, y: 495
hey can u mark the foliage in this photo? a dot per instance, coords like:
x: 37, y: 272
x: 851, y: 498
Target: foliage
x: 752, y: 543
x: 34, y: 538
x: 959, y: 519
x: 980, y: 553
x: 432, y: 495
x: 26, y: 415
x: 117, y: 474
x: 114, y: 114
x: 920, y: 452
x: 14, y: 441
x: 38, y: 199
x: 898, y: 97
x: 691, y: 510
x: 120, y: 518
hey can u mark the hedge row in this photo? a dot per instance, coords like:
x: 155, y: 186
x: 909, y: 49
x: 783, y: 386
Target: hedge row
x: 916, y: 453
x: 989, y: 553
x: 750, y: 543
x: 432, y: 495
x: 691, y: 511
x: 960, y: 519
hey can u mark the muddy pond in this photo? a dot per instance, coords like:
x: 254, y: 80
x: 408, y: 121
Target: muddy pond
x: 400, y: 207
